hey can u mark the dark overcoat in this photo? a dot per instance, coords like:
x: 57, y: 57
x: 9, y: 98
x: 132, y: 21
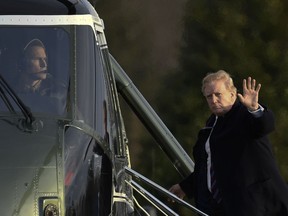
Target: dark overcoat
x: 247, y: 175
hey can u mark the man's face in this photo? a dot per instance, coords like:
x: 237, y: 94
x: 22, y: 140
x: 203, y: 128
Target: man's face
x: 36, y: 63
x: 219, y: 99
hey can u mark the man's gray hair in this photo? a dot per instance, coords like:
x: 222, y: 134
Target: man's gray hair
x: 219, y: 75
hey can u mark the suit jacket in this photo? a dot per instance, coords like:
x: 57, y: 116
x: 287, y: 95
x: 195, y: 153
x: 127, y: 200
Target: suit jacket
x: 244, y: 165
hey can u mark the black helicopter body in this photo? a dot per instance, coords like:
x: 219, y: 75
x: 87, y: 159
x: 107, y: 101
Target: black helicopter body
x: 63, y: 146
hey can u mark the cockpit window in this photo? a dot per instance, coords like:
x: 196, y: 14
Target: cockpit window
x: 34, y: 62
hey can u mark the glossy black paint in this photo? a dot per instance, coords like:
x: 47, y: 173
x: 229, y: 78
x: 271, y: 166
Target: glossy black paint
x: 88, y: 150
x: 80, y: 171
x: 43, y: 7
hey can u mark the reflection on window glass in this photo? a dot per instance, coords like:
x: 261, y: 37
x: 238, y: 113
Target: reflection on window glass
x: 92, y: 99
x: 35, y: 63
x: 86, y: 88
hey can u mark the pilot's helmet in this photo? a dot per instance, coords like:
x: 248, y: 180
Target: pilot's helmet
x: 23, y: 57
x: 33, y: 42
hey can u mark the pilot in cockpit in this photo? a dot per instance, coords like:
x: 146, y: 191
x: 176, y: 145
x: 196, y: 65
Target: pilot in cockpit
x: 33, y: 68
x: 34, y: 81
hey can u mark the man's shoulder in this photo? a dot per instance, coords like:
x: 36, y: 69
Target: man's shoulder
x: 51, y: 87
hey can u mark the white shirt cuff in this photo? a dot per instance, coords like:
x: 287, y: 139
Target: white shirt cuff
x: 258, y: 112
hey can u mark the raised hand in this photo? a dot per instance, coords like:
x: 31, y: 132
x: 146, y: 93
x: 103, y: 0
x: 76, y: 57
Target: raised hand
x: 250, y: 94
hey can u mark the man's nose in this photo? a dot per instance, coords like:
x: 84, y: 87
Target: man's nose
x: 213, y: 99
x: 43, y: 62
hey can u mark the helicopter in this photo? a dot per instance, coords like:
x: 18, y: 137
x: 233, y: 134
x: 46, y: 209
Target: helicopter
x: 64, y: 148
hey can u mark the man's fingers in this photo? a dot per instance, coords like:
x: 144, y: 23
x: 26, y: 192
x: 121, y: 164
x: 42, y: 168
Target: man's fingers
x: 253, y: 84
x: 244, y: 84
x: 240, y: 97
x: 249, y: 83
x: 258, y: 87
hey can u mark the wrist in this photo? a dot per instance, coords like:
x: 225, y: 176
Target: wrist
x: 254, y: 108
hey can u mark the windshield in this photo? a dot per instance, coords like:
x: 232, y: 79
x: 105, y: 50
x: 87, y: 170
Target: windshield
x: 34, y: 61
